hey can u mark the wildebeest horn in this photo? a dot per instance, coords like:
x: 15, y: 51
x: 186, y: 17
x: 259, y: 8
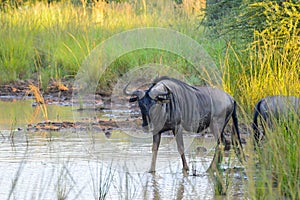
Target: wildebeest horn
x: 155, y: 93
x: 140, y: 94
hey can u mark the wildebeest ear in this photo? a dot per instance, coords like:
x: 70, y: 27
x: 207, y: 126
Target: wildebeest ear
x: 133, y: 99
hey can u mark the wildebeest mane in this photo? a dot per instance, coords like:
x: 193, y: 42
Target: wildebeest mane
x: 178, y: 82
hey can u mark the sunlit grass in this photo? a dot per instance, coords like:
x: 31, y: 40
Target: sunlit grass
x: 270, y: 65
x: 38, y: 40
x: 268, y: 71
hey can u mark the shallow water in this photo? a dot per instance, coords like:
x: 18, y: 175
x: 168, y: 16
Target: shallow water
x: 16, y: 113
x: 77, y: 164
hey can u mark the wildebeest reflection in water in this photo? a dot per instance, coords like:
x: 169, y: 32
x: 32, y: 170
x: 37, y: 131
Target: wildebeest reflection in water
x: 170, y: 104
x: 273, y: 109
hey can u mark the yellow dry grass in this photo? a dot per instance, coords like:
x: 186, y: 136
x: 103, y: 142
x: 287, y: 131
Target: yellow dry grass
x: 39, y: 100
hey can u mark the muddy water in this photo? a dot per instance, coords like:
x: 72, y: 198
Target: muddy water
x: 79, y: 164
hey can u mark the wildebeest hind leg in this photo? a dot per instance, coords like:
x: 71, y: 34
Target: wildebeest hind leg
x: 237, y: 146
x: 155, y: 145
x: 180, y: 147
x: 218, y: 157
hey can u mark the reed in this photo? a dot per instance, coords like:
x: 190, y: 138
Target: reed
x: 39, y: 100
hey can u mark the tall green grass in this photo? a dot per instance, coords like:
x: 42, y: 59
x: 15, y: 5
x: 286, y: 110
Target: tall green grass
x: 276, y: 170
x: 41, y: 41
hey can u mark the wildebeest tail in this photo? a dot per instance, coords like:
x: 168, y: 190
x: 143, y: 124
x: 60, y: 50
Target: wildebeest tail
x: 255, y: 123
x: 237, y: 147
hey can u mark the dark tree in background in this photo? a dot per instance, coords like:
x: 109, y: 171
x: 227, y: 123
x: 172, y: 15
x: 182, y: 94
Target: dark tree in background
x: 220, y: 14
x: 237, y: 19
x: 218, y: 10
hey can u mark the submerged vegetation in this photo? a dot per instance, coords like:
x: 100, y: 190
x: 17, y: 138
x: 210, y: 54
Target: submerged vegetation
x: 50, y: 41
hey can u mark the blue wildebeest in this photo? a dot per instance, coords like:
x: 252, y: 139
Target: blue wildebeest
x: 272, y: 108
x: 170, y: 104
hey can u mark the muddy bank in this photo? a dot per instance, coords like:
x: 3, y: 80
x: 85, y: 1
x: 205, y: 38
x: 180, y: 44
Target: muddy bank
x: 55, y: 92
x: 99, y: 125
x: 21, y: 88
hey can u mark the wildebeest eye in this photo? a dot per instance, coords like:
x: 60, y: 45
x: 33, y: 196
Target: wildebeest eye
x: 133, y: 99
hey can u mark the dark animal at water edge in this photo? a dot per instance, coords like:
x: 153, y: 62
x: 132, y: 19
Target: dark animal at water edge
x: 273, y: 109
x: 170, y: 104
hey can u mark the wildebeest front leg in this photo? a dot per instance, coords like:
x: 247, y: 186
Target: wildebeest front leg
x: 180, y: 146
x: 155, y: 145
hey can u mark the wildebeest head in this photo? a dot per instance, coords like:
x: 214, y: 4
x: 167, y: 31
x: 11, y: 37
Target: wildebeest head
x: 147, y: 100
